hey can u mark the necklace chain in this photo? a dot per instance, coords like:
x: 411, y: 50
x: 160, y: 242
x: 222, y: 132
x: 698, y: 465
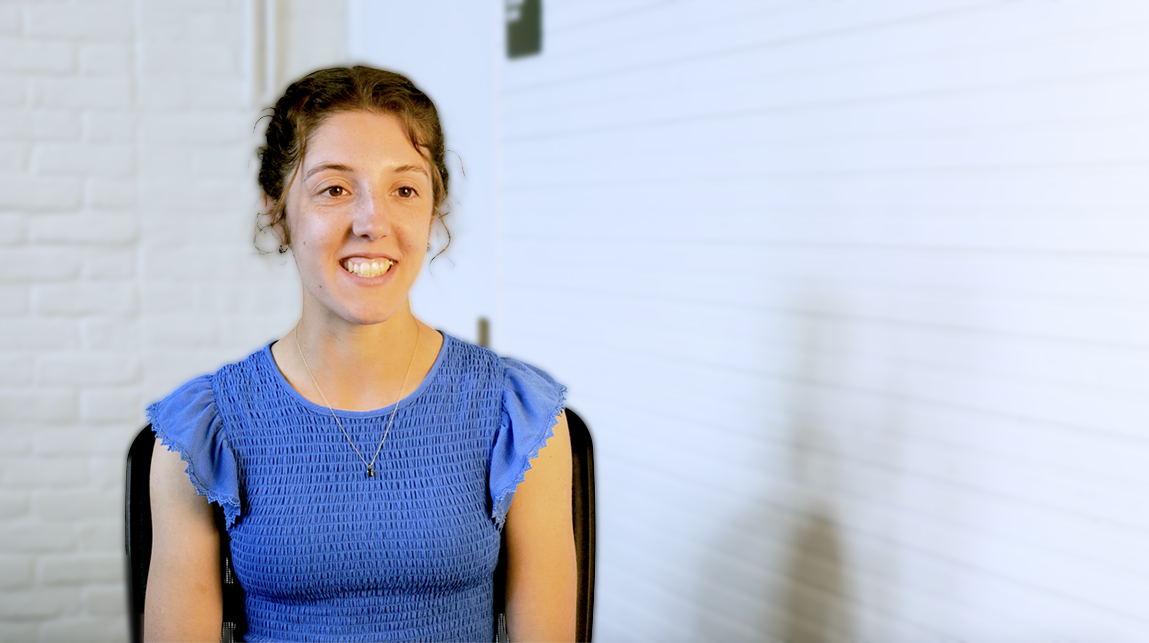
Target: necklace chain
x: 370, y: 465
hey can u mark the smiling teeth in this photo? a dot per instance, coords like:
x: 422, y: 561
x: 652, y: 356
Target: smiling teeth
x: 368, y: 268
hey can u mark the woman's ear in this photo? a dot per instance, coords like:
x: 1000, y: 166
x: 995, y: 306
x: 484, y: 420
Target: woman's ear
x: 439, y: 214
x: 275, y: 222
x: 434, y: 218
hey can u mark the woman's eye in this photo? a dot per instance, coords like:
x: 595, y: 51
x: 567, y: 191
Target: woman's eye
x: 405, y: 192
x: 334, y: 190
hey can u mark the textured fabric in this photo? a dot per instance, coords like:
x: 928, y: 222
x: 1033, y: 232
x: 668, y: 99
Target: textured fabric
x: 324, y: 552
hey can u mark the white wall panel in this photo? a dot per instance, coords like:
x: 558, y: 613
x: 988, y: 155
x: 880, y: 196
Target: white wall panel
x: 854, y: 299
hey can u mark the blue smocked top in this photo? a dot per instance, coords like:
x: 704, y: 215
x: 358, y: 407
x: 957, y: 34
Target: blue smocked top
x: 325, y: 553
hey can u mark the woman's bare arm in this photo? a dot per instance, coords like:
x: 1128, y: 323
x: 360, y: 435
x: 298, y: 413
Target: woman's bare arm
x: 184, y: 600
x: 542, y: 578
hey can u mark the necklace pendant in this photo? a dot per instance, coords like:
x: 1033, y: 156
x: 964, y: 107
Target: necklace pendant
x: 370, y: 471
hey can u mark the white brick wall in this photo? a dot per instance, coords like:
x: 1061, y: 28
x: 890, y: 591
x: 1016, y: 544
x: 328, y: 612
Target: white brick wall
x: 127, y: 203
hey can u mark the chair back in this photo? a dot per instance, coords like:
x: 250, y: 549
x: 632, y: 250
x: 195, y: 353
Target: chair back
x: 138, y: 545
x: 138, y: 527
x: 582, y: 488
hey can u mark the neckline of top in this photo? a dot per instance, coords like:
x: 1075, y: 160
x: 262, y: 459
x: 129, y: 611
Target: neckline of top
x: 282, y: 383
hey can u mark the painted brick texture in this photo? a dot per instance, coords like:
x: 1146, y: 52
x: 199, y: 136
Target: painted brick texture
x: 127, y: 204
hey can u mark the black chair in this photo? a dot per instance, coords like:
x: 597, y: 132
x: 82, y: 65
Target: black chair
x: 138, y: 540
x: 138, y: 545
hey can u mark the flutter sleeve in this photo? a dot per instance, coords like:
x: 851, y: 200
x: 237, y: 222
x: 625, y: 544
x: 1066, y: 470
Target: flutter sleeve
x: 188, y: 423
x: 532, y: 401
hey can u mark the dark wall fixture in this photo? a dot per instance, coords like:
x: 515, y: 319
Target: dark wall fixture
x: 483, y: 337
x: 524, y: 27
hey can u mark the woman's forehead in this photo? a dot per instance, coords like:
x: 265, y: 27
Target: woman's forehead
x: 363, y: 140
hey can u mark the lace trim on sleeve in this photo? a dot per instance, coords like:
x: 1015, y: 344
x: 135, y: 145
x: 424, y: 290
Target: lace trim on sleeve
x: 532, y: 401
x: 186, y: 422
x: 503, y: 503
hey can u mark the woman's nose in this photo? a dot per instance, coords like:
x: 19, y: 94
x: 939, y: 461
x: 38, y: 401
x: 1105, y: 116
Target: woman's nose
x: 370, y: 219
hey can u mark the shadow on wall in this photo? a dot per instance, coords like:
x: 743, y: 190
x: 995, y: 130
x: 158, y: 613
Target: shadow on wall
x: 814, y: 582
x: 779, y: 571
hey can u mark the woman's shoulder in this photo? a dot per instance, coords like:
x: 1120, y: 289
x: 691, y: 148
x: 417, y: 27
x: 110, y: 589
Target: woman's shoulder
x: 507, y: 372
x: 254, y: 370
x: 526, y: 379
x: 199, y: 393
x: 524, y: 392
x: 188, y: 421
x: 466, y: 358
x: 193, y: 401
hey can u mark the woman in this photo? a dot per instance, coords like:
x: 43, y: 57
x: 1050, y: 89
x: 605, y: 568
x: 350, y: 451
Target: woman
x: 365, y: 462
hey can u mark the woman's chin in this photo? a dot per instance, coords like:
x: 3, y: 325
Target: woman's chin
x: 355, y: 306
x: 370, y: 317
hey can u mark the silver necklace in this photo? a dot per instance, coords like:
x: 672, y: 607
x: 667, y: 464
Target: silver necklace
x: 370, y: 465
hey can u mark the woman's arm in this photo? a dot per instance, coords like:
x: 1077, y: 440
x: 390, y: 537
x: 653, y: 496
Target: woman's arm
x: 542, y: 579
x: 184, y: 600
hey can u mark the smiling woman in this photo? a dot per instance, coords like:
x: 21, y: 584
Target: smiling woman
x: 366, y: 463
x: 361, y: 216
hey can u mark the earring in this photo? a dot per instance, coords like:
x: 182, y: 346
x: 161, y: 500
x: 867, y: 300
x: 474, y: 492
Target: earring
x: 428, y: 246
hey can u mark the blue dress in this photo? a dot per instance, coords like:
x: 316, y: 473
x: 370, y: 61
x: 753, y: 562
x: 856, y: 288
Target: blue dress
x: 326, y: 553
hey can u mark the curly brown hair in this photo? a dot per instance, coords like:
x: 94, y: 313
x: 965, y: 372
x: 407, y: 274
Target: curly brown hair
x: 309, y: 101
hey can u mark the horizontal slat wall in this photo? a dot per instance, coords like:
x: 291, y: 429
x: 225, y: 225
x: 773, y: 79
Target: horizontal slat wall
x: 855, y: 298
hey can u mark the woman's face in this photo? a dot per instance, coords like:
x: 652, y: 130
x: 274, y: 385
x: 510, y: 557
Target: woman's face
x: 360, y: 214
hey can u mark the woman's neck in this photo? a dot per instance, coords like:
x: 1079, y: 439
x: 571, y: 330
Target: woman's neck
x: 356, y: 367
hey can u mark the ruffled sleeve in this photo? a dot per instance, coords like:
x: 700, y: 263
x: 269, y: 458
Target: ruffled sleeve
x: 187, y: 422
x: 531, y: 402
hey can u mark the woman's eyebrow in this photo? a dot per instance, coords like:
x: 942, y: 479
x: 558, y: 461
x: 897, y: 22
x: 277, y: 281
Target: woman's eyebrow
x: 410, y: 168
x: 326, y: 166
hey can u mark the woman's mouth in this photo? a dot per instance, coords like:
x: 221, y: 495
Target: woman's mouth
x: 367, y: 268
